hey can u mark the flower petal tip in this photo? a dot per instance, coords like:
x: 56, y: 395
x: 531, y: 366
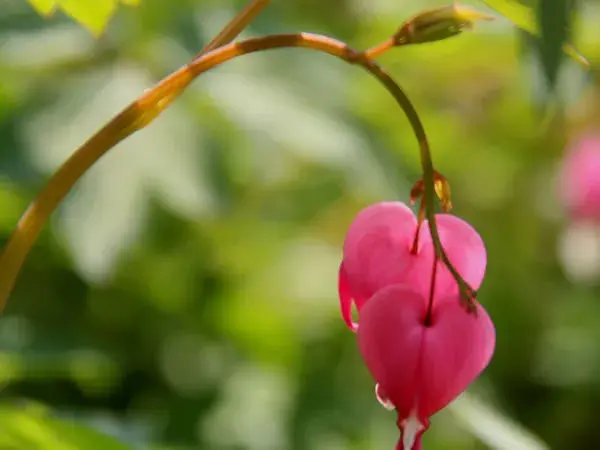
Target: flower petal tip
x: 346, y: 299
x: 411, y: 433
x: 382, y: 398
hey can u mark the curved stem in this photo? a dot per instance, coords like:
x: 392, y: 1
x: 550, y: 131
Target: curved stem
x: 142, y: 111
x: 381, y: 48
x: 467, y: 293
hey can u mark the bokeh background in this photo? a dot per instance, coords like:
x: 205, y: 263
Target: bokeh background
x: 185, y: 295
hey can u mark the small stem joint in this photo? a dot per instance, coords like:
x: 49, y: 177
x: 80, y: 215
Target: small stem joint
x: 441, y: 188
x: 468, y: 295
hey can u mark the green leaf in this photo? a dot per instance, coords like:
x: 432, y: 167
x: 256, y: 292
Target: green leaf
x: 92, y: 14
x: 33, y: 427
x: 524, y: 17
x: 44, y: 7
x: 553, y: 17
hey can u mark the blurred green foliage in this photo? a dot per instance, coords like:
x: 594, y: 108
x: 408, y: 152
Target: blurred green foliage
x: 30, y: 427
x: 185, y: 295
x: 92, y: 14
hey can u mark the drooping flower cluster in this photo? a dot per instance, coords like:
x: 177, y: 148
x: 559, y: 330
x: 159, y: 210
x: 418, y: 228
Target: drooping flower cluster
x: 579, y: 188
x: 580, y: 178
x: 419, y: 343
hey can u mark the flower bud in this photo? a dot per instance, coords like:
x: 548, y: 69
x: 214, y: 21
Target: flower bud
x: 437, y: 24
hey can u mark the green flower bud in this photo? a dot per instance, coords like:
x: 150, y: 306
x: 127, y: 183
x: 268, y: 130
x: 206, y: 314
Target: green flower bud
x: 437, y: 24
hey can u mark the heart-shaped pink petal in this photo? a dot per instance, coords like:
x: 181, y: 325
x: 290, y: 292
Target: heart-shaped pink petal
x: 423, y: 368
x: 377, y: 248
x: 377, y: 253
x: 465, y: 250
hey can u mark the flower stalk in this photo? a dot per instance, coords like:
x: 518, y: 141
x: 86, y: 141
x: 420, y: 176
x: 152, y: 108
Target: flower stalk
x: 154, y: 101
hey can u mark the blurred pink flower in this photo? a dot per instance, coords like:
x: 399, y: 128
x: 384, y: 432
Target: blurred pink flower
x: 422, y: 354
x: 379, y: 251
x: 580, y: 178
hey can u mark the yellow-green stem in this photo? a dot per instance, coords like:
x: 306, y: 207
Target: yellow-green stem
x: 236, y: 26
x: 142, y: 111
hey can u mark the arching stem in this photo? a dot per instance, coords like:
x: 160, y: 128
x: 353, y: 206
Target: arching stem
x: 467, y: 293
x: 142, y: 111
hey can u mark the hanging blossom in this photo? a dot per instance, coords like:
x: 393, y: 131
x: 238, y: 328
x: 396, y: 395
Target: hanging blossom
x: 421, y: 346
x: 579, y: 188
x: 580, y: 178
x: 422, y: 355
x: 386, y: 245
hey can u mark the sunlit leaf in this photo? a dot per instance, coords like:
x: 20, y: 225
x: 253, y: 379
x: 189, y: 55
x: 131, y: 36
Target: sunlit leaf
x: 35, y: 428
x: 524, y: 17
x: 44, y: 7
x: 92, y: 14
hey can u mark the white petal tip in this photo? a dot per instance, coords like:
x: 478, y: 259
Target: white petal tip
x: 383, y: 401
x: 410, y: 431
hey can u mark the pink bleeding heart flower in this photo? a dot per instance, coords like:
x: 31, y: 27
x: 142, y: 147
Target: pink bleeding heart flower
x: 380, y: 250
x: 580, y: 178
x: 422, y: 355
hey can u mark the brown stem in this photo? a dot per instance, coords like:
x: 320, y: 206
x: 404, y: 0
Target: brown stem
x: 236, y: 26
x: 467, y: 294
x: 381, y: 48
x: 142, y: 111
x: 135, y: 117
